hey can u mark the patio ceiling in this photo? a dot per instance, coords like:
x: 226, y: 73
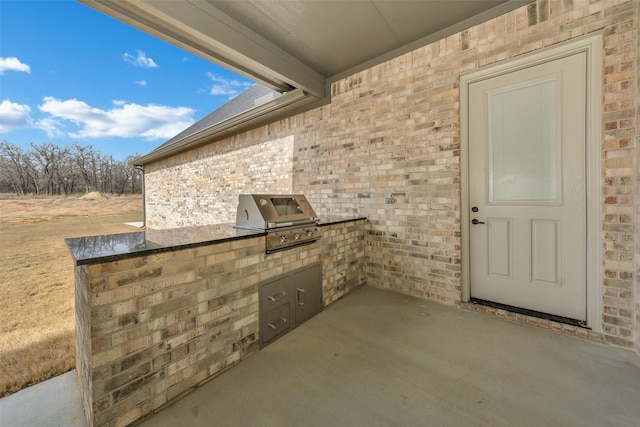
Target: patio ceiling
x: 296, y: 47
x: 287, y: 44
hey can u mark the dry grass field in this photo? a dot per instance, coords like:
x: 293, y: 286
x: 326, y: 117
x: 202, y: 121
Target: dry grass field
x: 37, y: 325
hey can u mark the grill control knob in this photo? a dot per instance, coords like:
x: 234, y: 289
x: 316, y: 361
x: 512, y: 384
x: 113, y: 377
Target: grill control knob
x: 283, y: 239
x: 297, y: 236
x: 309, y: 233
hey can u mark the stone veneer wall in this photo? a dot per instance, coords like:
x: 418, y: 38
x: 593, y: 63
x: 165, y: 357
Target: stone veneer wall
x: 83, y: 338
x: 151, y: 328
x: 201, y: 187
x: 343, y: 259
x: 388, y: 147
x: 636, y: 234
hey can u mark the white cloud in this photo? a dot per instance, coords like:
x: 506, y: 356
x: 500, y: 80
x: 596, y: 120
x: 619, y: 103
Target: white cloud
x: 13, y: 64
x: 227, y: 87
x: 140, y: 60
x: 142, y: 83
x: 51, y: 127
x: 151, y: 122
x: 14, y: 116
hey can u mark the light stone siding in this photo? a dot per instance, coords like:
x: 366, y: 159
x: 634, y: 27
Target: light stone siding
x: 343, y: 259
x: 201, y: 187
x: 153, y: 327
x: 388, y: 147
x: 83, y: 339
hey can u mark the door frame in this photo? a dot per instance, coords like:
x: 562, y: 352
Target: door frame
x: 592, y: 46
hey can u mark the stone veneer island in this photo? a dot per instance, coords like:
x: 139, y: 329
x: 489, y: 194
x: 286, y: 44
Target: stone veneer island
x: 159, y: 312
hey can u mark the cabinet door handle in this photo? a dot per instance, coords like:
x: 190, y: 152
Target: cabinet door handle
x: 276, y: 297
x: 279, y: 324
x: 301, y: 296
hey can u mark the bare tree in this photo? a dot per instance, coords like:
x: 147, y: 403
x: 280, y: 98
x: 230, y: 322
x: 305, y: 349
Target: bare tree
x: 50, y: 159
x: 84, y: 158
x: 16, y: 168
x: 50, y: 169
x: 69, y: 175
x: 135, y: 173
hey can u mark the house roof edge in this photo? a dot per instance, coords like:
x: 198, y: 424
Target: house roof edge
x: 272, y: 110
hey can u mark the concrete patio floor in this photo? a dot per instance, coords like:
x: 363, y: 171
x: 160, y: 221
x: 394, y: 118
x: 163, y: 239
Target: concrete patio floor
x: 52, y: 403
x: 377, y: 358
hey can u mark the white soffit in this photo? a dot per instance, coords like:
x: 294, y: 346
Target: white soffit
x: 286, y: 44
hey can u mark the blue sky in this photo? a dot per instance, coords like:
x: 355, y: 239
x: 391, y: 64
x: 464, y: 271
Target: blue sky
x: 69, y: 73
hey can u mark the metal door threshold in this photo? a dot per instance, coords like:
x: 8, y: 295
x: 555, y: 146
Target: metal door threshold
x: 532, y: 313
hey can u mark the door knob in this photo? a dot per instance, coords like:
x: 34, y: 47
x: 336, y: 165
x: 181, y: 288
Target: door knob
x: 475, y: 222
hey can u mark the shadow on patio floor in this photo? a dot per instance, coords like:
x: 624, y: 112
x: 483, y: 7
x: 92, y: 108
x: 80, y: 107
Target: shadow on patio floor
x: 376, y: 358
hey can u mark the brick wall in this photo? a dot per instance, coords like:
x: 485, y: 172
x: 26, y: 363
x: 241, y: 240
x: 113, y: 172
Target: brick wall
x: 636, y: 234
x: 201, y: 187
x: 388, y: 147
x: 620, y: 126
x: 151, y: 328
x: 343, y: 259
x: 83, y: 338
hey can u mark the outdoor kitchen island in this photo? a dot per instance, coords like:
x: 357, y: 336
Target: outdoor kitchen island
x: 159, y: 312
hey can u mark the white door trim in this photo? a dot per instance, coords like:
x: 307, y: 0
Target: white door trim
x: 592, y: 45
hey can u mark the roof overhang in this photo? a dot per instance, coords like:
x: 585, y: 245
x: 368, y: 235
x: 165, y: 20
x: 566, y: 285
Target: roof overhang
x: 204, y: 30
x: 268, y: 112
x: 296, y: 46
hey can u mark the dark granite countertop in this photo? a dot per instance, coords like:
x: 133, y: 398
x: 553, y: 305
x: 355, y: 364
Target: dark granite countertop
x: 114, y: 247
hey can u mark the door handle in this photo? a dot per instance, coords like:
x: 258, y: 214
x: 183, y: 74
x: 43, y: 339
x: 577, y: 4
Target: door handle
x: 278, y: 296
x: 281, y: 322
x: 475, y: 222
x: 301, y: 296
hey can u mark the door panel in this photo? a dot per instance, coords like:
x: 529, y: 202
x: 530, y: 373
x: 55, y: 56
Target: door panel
x: 307, y: 285
x: 500, y: 247
x: 545, y: 252
x: 527, y: 181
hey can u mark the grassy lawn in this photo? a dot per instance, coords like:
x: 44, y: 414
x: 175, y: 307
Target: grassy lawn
x: 37, y: 324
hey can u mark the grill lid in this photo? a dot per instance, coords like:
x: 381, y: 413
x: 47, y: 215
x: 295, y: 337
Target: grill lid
x: 268, y: 211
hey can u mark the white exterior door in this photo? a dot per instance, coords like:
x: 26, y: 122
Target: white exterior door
x: 527, y: 188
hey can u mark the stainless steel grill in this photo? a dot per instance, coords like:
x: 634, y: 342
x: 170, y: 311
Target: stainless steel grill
x: 289, y: 220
